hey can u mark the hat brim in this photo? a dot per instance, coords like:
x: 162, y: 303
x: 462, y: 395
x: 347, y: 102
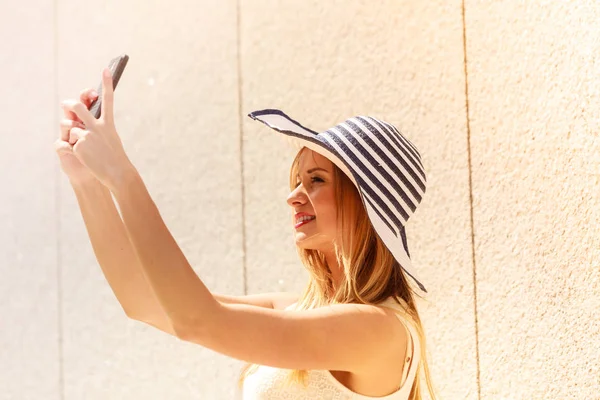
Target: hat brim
x: 302, y: 136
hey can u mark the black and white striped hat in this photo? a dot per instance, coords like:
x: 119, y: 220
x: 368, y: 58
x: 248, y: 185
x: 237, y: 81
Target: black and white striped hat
x: 383, y: 164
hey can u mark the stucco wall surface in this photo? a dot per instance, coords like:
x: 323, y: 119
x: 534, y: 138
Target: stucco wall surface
x: 501, y: 98
x: 534, y: 128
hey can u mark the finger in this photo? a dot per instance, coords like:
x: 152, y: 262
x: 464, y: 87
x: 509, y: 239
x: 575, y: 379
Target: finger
x: 69, y: 114
x: 66, y: 125
x: 87, y: 96
x: 80, y: 111
x: 60, y: 146
x: 107, y: 95
x: 75, y: 134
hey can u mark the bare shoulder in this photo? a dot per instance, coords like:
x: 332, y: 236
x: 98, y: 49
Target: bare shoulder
x: 380, y: 377
x: 387, y: 345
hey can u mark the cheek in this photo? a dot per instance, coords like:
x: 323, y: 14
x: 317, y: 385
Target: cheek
x: 326, y: 208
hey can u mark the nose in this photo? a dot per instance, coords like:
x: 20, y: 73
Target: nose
x: 297, y: 196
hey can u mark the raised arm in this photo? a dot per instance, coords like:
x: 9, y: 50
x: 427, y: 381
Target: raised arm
x: 116, y: 256
x: 122, y: 268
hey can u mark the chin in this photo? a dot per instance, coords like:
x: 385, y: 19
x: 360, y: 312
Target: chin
x: 306, y: 243
x: 302, y: 244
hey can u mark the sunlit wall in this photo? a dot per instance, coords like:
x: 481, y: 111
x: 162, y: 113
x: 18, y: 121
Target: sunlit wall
x: 500, y: 97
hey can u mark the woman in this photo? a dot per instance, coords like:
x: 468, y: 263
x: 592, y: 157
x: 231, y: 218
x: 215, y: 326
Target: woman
x: 354, y: 333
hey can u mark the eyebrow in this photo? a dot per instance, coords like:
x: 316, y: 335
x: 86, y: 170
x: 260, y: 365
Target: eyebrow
x: 313, y: 170
x: 310, y: 171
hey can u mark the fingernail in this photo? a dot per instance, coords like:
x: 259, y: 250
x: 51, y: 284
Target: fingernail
x: 93, y: 93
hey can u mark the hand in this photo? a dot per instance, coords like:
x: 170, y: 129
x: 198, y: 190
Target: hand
x: 96, y: 144
x: 75, y: 170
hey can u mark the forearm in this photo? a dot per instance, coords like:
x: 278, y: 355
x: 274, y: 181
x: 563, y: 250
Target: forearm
x: 116, y: 256
x: 183, y: 296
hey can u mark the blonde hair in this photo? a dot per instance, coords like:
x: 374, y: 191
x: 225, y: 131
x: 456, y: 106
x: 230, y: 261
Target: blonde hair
x: 370, y: 273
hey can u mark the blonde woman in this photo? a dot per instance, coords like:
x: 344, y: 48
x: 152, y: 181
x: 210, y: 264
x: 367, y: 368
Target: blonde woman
x: 354, y: 333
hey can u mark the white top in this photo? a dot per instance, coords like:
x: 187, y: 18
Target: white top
x: 267, y: 382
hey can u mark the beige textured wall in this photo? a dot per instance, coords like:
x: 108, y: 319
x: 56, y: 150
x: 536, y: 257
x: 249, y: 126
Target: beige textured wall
x: 507, y: 238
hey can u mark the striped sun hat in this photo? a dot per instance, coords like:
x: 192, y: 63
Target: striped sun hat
x: 381, y: 162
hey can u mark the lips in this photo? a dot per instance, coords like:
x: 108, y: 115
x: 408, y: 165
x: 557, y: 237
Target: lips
x: 301, y: 218
x: 303, y: 222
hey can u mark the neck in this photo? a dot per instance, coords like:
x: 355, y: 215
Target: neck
x: 335, y: 268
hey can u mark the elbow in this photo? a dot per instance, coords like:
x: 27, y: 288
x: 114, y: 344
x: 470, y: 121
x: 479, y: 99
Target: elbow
x: 199, y: 328
x: 131, y: 315
x: 161, y: 323
x: 193, y: 332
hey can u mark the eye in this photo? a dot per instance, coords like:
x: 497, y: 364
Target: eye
x: 312, y: 179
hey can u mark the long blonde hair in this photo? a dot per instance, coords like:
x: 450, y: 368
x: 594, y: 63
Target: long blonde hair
x: 371, y: 274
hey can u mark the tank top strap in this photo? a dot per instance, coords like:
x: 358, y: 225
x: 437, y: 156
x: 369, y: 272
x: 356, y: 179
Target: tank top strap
x: 413, y: 346
x: 415, y: 359
x: 409, y: 356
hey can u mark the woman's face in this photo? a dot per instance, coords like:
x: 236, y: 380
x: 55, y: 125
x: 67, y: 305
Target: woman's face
x: 314, y: 195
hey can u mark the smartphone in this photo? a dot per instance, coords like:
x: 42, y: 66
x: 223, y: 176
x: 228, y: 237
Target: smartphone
x: 116, y: 66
